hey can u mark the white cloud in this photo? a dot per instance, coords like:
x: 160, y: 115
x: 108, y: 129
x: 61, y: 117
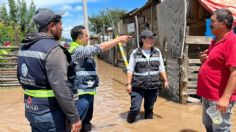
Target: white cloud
x: 70, y: 8
x: 66, y: 32
x: 69, y: 23
x: 67, y: 14
x: 67, y: 7
x: 52, y: 3
x: 78, y: 8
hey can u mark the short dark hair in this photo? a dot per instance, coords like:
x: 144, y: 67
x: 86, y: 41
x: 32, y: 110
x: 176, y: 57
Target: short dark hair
x: 76, y: 32
x: 56, y: 19
x: 225, y: 15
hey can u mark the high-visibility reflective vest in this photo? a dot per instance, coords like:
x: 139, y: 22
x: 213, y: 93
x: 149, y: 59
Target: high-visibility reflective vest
x: 146, y: 71
x: 73, y: 46
x: 86, y: 79
x: 31, y: 73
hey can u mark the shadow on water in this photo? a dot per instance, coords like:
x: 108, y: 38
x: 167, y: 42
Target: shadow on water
x: 140, y: 116
x: 188, y: 130
x: 106, y: 126
x: 124, y: 84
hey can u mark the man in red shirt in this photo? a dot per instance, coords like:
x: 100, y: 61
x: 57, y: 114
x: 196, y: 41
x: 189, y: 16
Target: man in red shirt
x: 217, y: 76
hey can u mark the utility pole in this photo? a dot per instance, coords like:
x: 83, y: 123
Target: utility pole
x: 86, y: 18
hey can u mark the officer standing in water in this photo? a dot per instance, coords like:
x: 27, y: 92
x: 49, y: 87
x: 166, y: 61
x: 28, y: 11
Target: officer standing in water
x: 43, y: 72
x: 86, y: 80
x: 145, y: 68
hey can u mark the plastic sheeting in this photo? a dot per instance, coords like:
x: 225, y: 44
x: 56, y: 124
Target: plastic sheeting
x: 212, y: 5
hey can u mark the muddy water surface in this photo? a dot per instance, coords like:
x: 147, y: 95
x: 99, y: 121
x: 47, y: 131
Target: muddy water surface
x: 111, y: 106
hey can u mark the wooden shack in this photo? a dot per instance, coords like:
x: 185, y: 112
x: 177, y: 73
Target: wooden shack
x: 110, y: 55
x: 134, y: 22
x: 182, y: 25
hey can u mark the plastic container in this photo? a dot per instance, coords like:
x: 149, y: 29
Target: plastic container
x: 215, y: 115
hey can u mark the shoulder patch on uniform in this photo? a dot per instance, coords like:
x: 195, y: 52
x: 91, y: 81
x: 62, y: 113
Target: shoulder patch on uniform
x: 24, y: 70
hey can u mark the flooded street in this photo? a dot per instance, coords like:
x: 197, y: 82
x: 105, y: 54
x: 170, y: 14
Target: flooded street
x: 112, y: 103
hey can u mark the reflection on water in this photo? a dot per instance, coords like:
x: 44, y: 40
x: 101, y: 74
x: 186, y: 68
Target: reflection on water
x: 112, y: 103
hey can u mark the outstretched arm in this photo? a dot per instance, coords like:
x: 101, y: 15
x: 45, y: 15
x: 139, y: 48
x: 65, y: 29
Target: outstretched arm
x: 92, y: 50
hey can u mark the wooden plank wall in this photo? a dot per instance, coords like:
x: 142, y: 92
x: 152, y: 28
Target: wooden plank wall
x: 8, y: 64
x: 196, y: 18
x: 146, y: 16
x: 173, y: 68
x: 194, y: 44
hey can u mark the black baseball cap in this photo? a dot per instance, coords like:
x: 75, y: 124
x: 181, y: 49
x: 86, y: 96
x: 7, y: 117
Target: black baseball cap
x: 44, y: 16
x: 147, y: 33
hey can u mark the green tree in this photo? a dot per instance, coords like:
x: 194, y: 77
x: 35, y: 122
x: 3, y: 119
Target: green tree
x: 3, y: 14
x: 23, y: 15
x: 6, y: 33
x: 100, y: 22
x: 13, y: 13
x: 19, y: 19
x: 30, y: 25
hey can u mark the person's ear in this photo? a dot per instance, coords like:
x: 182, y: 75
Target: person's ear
x: 52, y: 26
x: 225, y: 22
x: 142, y: 39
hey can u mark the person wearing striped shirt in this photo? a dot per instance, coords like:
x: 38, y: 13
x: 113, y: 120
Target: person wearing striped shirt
x: 86, y: 79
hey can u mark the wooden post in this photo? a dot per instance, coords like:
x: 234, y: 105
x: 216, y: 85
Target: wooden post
x: 184, y: 73
x: 16, y: 35
x: 184, y: 76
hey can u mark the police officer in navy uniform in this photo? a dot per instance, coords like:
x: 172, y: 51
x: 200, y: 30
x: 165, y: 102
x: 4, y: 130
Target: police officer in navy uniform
x: 146, y: 68
x: 43, y: 70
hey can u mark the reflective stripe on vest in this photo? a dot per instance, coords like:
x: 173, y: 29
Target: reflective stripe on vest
x: 147, y: 73
x: 145, y: 60
x: 154, y: 59
x: 40, y: 93
x: 32, y: 54
x: 141, y: 60
x: 86, y: 91
x: 86, y: 73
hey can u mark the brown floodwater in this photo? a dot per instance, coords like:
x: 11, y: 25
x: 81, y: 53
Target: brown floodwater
x: 111, y: 106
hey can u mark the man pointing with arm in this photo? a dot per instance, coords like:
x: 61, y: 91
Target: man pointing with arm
x: 86, y: 79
